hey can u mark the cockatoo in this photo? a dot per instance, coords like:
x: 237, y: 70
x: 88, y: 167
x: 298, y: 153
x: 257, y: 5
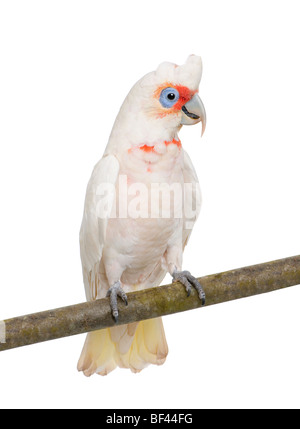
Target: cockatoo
x: 128, y: 238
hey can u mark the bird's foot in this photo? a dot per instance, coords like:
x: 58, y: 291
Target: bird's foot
x: 186, y: 278
x: 113, y: 292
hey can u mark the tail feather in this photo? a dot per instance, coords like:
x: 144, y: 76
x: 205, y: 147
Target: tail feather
x: 155, y: 340
x: 94, y: 357
x: 122, y: 336
x: 133, y: 346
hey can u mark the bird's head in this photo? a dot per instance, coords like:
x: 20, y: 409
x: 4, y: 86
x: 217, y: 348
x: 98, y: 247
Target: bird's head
x: 161, y: 102
x: 170, y: 94
x: 175, y: 98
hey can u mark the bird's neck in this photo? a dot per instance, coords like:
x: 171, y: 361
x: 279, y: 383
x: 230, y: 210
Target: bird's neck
x: 136, y: 130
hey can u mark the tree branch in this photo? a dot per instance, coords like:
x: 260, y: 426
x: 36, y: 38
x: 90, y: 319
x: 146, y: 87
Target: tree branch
x: 150, y: 303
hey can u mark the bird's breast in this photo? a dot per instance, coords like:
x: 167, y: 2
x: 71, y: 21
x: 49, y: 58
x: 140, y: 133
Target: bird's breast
x: 148, y: 208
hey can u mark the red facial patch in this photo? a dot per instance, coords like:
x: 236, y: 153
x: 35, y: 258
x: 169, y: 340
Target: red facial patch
x: 185, y: 94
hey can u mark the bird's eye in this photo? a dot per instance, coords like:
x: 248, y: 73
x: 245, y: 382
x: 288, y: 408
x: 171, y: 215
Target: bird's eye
x: 171, y: 96
x: 168, y: 97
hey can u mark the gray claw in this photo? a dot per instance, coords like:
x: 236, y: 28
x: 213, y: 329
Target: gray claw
x: 113, y: 292
x: 186, y: 278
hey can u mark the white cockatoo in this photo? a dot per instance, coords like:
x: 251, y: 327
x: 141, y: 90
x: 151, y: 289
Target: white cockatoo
x: 141, y: 203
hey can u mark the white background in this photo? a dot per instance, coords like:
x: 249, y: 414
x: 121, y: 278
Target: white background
x: 66, y: 67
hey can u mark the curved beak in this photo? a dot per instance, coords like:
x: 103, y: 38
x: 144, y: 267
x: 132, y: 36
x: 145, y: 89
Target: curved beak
x: 193, y: 112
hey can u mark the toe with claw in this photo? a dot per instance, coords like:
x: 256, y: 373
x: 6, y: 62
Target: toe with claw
x: 113, y: 292
x: 186, y: 278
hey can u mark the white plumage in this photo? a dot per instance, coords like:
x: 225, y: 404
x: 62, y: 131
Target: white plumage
x: 127, y: 234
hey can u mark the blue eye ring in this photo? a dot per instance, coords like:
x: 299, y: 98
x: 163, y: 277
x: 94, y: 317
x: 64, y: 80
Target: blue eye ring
x: 168, y: 97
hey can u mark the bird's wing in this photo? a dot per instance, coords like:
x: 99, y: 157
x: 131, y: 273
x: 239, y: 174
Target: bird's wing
x: 99, y: 201
x: 192, y: 198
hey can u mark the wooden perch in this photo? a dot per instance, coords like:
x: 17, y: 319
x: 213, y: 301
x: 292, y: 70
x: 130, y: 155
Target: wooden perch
x: 150, y: 303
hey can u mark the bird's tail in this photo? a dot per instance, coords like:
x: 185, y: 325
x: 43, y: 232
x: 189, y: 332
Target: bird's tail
x: 132, y: 346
